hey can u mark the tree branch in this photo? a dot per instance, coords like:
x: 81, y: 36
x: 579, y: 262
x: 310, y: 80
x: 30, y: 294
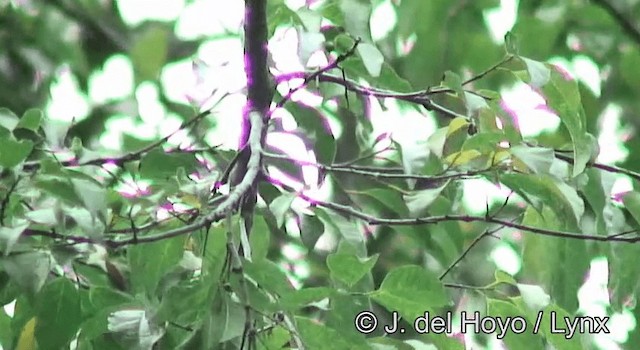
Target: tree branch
x: 228, y: 205
x: 605, y: 167
x: 132, y: 156
x: 628, y: 26
x: 311, y: 76
x: 372, y: 220
x: 259, y: 88
x: 376, y: 173
x: 420, y: 97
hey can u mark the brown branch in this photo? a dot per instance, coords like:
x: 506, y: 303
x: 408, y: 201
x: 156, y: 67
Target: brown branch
x: 255, y: 121
x: 628, y: 26
x: 605, y: 167
x: 464, y: 253
x: 419, y: 97
x: 372, y: 220
x: 259, y: 87
x: 132, y: 156
x: 318, y: 73
x: 377, y: 174
x: 228, y: 204
x: 484, y: 73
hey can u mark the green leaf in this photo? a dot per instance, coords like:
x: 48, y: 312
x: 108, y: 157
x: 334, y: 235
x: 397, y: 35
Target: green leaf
x: 315, y: 336
x: 623, y: 282
x: 149, y: 262
x: 28, y: 270
x: 59, y: 314
x: 507, y: 311
x: 511, y: 43
x: 215, y: 250
x: 104, y: 297
x: 259, y: 238
x: 149, y: 53
x: 278, y: 13
x: 281, y: 206
x: 346, y: 267
x: 539, y: 74
x: 355, y: 68
x: 311, y: 20
x: 10, y: 235
x: 55, y: 131
x: 227, y: 320
x: 539, y: 190
x: 411, y: 290
x: 31, y: 119
x: 184, y: 303
x: 484, y: 142
x: 46, y: 216
x: 58, y: 188
x: 563, y: 97
x: 8, y: 119
x: 93, y: 196
x: 303, y: 297
x: 396, y: 344
x: 315, y: 126
x: 6, y: 334
x: 571, y: 254
x: 469, y: 160
x: 453, y: 81
x: 537, y: 159
x: 276, y: 338
x: 504, y: 277
x: 419, y: 201
x: 533, y: 296
x: 508, y: 122
x: 597, y: 192
x: 558, y: 340
x: 308, y: 43
x: 159, y: 165
x: 629, y: 63
x: 356, y: 14
x: 387, y: 198
x: 14, y: 152
x: 134, y: 328
x: 631, y: 201
x: 311, y: 229
x: 342, y: 227
x: 371, y: 57
x: 268, y: 275
x: 457, y: 134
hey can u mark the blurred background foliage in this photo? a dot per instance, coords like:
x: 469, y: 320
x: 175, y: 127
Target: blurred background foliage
x: 41, y: 39
x: 45, y: 42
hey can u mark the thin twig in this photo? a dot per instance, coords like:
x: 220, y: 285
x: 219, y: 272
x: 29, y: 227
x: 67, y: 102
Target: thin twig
x: 605, y: 167
x: 484, y: 73
x: 475, y: 241
x: 236, y: 267
x: 132, y: 156
x: 5, y: 200
x: 628, y: 26
x: 316, y: 74
x: 378, y: 174
x: 227, y: 204
x: 373, y: 220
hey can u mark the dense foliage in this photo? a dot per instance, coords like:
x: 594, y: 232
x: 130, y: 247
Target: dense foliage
x: 202, y: 258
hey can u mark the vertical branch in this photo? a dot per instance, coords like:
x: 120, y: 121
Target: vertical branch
x: 251, y: 140
x: 259, y: 89
x: 255, y: 55
x: 259, y: 92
